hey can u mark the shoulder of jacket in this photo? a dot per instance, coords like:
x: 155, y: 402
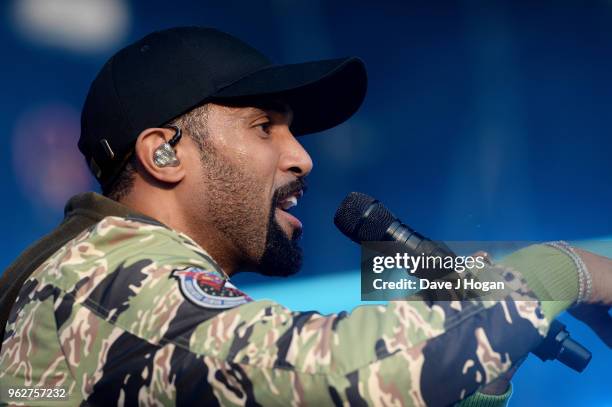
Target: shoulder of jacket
x: 141, y: 279
x: 119, y: 243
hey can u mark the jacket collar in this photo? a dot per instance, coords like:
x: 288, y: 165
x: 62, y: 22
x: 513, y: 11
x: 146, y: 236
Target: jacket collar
x: 96, y: 207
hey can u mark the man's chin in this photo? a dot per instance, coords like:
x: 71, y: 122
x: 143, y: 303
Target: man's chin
x: 282, y: 255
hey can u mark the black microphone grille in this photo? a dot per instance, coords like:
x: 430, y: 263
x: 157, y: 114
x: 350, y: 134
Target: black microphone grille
x: 351, y: 218
x: 375, y: 225
x: 349, y: 213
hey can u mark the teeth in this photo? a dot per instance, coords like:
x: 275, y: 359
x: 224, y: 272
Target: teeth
x: 289, y: 203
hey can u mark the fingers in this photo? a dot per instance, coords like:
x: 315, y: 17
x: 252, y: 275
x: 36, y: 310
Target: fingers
x: 597, y: 318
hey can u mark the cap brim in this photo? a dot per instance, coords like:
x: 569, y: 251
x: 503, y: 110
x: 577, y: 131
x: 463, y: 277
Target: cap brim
x: 322, y: 94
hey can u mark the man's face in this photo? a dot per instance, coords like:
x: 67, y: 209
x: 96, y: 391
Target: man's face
x: 252, y: 173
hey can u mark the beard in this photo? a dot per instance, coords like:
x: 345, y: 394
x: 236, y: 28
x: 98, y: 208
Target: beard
x: 246, y: 222
x: 282, y: 255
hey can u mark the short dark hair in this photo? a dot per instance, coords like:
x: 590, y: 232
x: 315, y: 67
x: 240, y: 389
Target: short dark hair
x: 192, y: 123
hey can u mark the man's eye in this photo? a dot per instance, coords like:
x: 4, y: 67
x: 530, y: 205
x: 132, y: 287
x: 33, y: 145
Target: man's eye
x: 265, y: 126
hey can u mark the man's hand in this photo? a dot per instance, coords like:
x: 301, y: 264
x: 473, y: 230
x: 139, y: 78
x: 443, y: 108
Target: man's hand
x: 597, y: 318
x: 595, y: 313
x: 600, y: 268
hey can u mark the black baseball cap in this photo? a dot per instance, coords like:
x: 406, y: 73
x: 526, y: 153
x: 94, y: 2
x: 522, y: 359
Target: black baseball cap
x: 169, y: 72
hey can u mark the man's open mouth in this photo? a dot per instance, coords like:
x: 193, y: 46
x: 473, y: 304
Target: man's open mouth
x: 287, y: 199
x: 290, y: 201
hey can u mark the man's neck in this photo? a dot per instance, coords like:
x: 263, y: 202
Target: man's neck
x: 213, y: 241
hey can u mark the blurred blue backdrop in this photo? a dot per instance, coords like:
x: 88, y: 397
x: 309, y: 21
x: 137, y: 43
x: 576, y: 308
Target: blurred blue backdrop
x: 484, y: 120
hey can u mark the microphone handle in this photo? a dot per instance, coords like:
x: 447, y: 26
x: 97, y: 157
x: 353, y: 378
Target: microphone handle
x: 416, y: 244
x: 557, y: 345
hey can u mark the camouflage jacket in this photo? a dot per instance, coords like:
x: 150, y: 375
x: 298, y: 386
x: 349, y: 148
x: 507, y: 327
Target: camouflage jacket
x: 133, y: 313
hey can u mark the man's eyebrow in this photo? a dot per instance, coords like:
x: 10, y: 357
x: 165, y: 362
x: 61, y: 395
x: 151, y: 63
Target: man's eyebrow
x: 274, y: 106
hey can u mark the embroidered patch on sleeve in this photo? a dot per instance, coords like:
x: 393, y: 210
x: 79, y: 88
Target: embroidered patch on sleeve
x: 208, y: 289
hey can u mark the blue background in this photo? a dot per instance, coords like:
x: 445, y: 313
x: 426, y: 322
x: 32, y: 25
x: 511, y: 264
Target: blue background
x: 484, y: 120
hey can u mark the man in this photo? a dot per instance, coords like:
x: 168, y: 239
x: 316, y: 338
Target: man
x: 191, y: 134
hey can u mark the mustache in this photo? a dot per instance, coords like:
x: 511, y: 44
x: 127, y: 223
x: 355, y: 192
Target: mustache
x: 289, y: 189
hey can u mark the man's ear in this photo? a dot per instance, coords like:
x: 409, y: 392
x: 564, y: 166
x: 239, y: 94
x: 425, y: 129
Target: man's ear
x: 147, y: 143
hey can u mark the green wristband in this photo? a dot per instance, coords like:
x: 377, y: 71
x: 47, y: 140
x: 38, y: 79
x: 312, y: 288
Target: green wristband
x: 479, y: 399
x: 550, y: 273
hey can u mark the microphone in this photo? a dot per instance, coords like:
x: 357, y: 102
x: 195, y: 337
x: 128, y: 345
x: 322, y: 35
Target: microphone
x: 365, y: 219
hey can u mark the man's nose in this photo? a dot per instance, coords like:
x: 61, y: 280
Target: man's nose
x: 295, y: 158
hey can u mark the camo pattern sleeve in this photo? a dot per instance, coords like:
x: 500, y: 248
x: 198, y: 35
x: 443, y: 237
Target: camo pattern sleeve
x: 131, y: 313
